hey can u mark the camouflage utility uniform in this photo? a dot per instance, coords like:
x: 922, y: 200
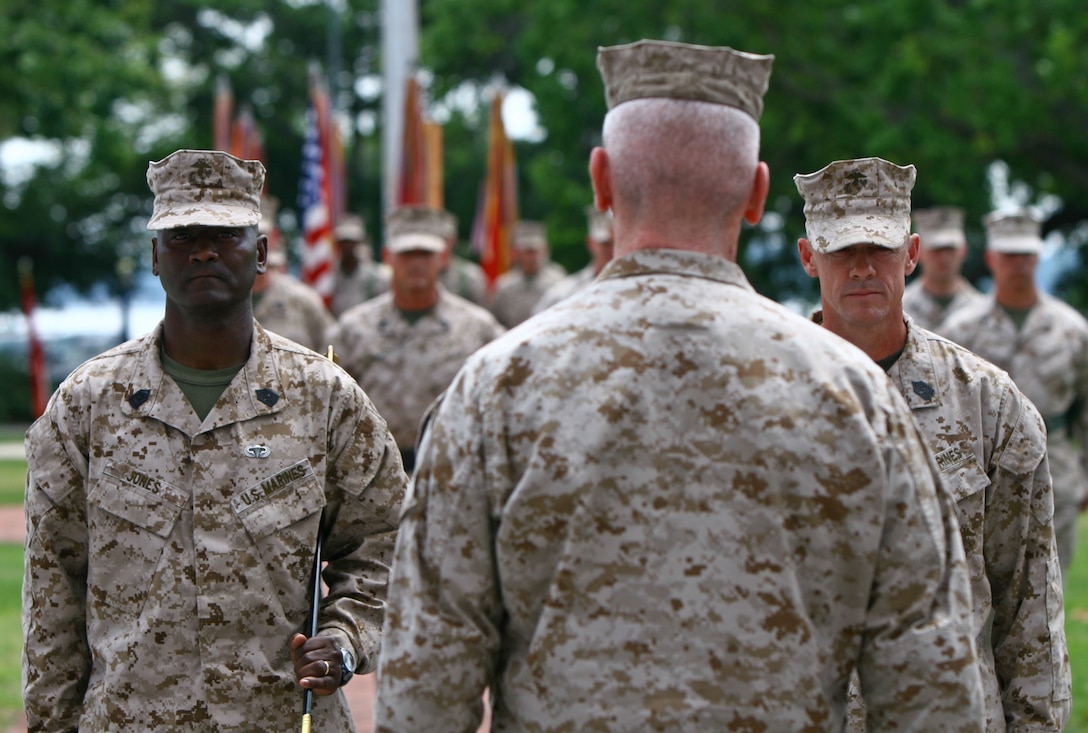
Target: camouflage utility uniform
x: 369, y: 280
x: 654, y: 499
x: 168, y: 560
x: 404, y: 365
x: 294, y: 311
x: 1048, y: 359
x: 990, y: 446
x: 516, y: 294
x: 465, y: 278
x: 928, y: 312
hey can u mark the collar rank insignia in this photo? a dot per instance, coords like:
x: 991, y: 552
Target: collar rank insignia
x: 268, y: 397
x: 138, y: 398
x: 257, y: 451
x: 923, y: 390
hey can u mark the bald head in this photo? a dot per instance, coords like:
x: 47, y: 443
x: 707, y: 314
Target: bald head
x: 684, y: 170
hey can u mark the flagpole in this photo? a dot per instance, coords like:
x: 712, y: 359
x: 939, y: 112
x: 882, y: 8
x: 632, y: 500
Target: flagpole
x: 400, y: 55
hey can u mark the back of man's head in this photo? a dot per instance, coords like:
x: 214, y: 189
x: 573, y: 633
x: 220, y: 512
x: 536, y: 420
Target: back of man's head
x: 682, y: 134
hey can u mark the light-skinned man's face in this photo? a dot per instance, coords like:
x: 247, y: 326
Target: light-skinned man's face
x: 1013, y: 273
x: 416, y: 271
x: 529, y: 259
x: 942, y: 264
x: 861, y: 286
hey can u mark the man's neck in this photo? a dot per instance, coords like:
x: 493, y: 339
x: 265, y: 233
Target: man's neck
x: 1016, y: 299
x: 415, y: 301
x: 877, y: 341
x: 208, y: 343
x: 941, y: 288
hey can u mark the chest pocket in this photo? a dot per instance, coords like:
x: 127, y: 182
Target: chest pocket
x: 967, y: 483
x: 131, y: 514
x: 281, y: 514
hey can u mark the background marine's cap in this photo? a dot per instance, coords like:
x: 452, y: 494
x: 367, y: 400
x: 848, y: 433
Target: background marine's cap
x: 940, y: 227
x: 1016, y: 232
x: 599, y: 224
x: 204, y: 188
x: 529, y: 235
x: 350, y: 228
x: 863, y: 201
x: 415, y: 228
x: 715, y: 74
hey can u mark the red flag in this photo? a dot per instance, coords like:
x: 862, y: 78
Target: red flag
x: 39, y: 383
x: 223, y: 109
x: 245, y: 139
x: 316, y: 192
x: 497, y: 211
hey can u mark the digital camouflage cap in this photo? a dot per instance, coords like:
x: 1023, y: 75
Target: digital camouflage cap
x: 862, y: 201
x: 204, y: 188
x: 415, y: 228
x: 940, y: 227
x: 715, y: 74
x: 1015, y: 232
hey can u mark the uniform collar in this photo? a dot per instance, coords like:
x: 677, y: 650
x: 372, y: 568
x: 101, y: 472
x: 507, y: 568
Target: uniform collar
x: 675, y: 262
x: 255, y: 390
x: 914, y: 373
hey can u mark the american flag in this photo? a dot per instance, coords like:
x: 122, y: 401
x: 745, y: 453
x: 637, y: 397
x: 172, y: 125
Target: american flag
x: 315, y: 200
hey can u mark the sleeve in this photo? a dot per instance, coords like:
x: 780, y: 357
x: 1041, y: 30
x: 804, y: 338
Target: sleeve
x: 441, y: 635
x: 917, y: 666
x: 1028, y: 633
x: 56, y: 656
x: 365, y: 487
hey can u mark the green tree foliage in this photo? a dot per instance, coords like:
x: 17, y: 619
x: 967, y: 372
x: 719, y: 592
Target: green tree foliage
x: 949, y: 85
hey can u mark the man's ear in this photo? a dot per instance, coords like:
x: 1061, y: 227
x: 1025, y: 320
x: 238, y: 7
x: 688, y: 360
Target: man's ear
x: 600, y: 175
x: 262, y: 253
x: 753, y: 212
x: 808, y: 259
x: 155, y: 256
x: 913, y: 246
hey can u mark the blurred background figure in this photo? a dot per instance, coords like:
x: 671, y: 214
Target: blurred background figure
x: 404, y: 346
x: 281, y: 303
x: 940, y: 289
x: 599, y: 244
x: 461, y: 276
x: 357, y: 277
x: 1043, y: 344
x: 518, y: 290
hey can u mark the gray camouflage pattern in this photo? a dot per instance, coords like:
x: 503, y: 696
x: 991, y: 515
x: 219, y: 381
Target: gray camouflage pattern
x: 404, y: 366
x: 294, y: 310
x: 638, y: 512
x: 515, y: 294
x: 177, y: 554
x: 927, y: 312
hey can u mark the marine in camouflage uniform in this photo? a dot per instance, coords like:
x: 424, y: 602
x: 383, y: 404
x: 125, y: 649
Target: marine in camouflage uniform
x: 294, y: 310
x: 1043, y: 344
x: 356, y: 277
x: 667, y: 503
x: 987, y: 439
x: 404, y: 352
x: 169, y: 549
x: 940, y: 290
x: 518, y: 289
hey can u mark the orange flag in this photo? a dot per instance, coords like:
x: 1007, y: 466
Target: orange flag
x: 497, y: 208
x: 221, y: 114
